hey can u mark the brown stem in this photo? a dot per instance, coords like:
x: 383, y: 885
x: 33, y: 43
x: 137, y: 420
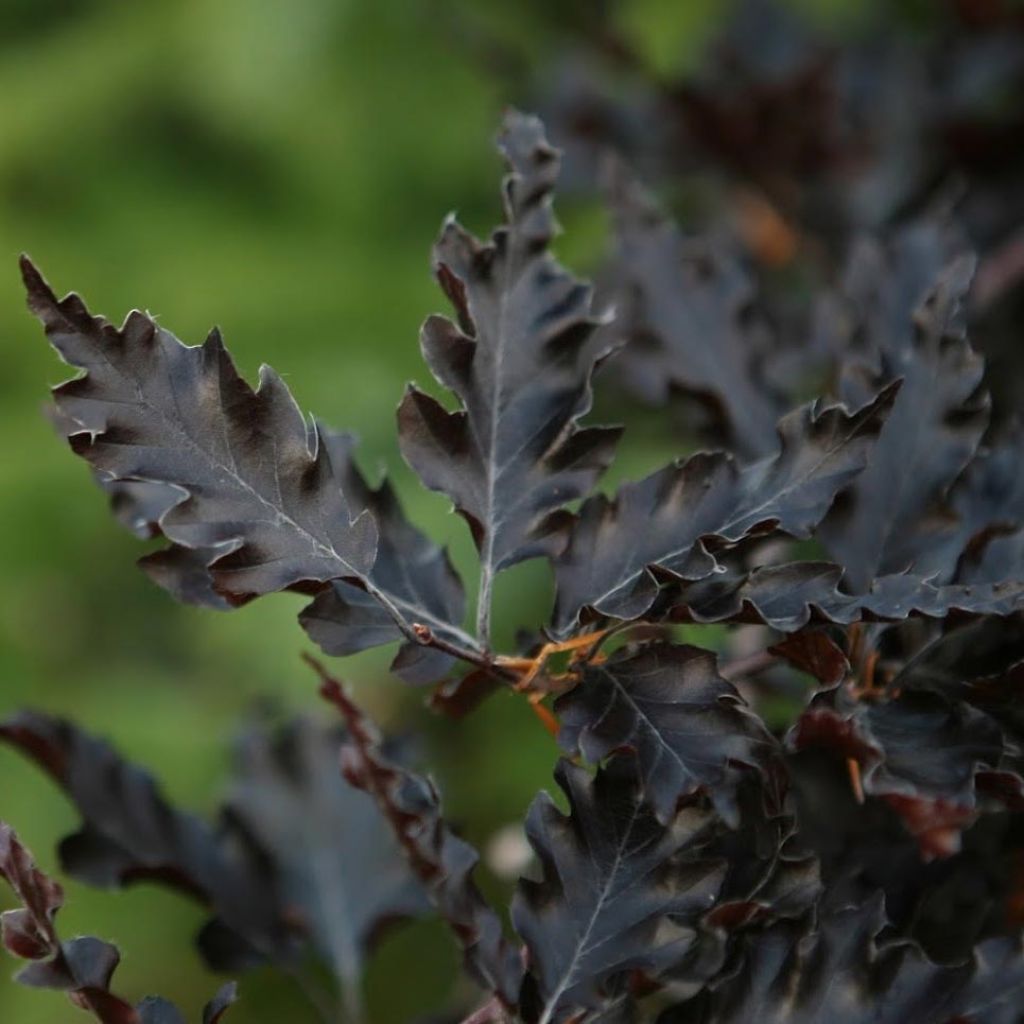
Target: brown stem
x: 424, y: 635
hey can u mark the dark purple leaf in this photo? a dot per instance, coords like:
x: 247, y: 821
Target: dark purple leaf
x: 220, y: 1003
x: 845, y: 973
x: 662, y: 526
x: 84, y: 967
x: 689, y: 727
x: 410, y: 568
x: 914, y: 332
x: 769, y: 871
x: 680, y: 307
x: 149, y: 408
x: 336, y: 862
x: 987, y: 647
x: 252, y: 496
x: 28, y: 932
x: 813, y: 651
x: 130, y: 833
x: 789, y: 596
x: 298, y: 850
x: 511, y: 456
x: 918, y: 751
x: 138, y: 506
x: 620, y: 892
x: 84, y: 963
x: 154, y: 1010
x: 988, y: 538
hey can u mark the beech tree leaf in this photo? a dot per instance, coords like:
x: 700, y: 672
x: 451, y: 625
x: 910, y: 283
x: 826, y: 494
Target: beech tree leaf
x: 442, y: 861
x: 83, y: 967
x: 28, y: 932
x: 138, y: 505
x: 416, y: 574
x: 183, y: 572
x: 936, y: 422
x: 844, y: 973
x: 813, y: 651
x: 918, y: 750
x: 790, y: 595
x: 257, y: 484
x: 289, y: 836
x: 987, y: 647
x: 336, y: 860
x: 619, y: 892
x: 215, y: 1009
x: 253, y: 497
x: 680, y: 305
x: 155, y: 1010
x: 769, y: 871
x: 662, y: 526
x: 131, y: 833
x: 689, y: 727
x: 986, y: 544
x: 517, y: 359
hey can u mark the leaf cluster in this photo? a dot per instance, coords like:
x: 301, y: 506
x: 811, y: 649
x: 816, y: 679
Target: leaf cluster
x: 854, y: 859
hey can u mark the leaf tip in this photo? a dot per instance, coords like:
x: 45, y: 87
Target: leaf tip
x: 40, y: 294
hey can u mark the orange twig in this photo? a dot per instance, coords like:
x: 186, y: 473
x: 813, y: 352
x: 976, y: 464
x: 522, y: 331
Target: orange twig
x: 853, y: 767
x: 532, y: 667
x: 869, y: 670
x: 545, y: 714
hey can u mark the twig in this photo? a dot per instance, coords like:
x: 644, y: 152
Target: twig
x: 468, y: 650
x: 531, y: 668
x: 421, y: 634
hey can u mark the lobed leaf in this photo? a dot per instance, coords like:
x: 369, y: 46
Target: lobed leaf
x: 288, y: 836
x: 813, y: 651
x: 131, y: 833
x: 917, y: 751
x: 335, y: 861
x: 620, y: 891
x: 416, y: 574
x: 688, y: 726
x: 845, y: 973
x: 680, y: 307
x: 518, y: 360
x: 662, y: 527
x: 253, y: 497
x: 914, y: 331
x: 986, y: 543
x: 256, y: 483
x: 83, y: 967
x: 790, y: 595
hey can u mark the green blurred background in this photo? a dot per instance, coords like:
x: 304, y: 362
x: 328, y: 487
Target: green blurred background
x: 278, y: 168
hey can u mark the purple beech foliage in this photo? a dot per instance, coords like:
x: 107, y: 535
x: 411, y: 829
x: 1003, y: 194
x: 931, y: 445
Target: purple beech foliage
x: 823, y: 823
